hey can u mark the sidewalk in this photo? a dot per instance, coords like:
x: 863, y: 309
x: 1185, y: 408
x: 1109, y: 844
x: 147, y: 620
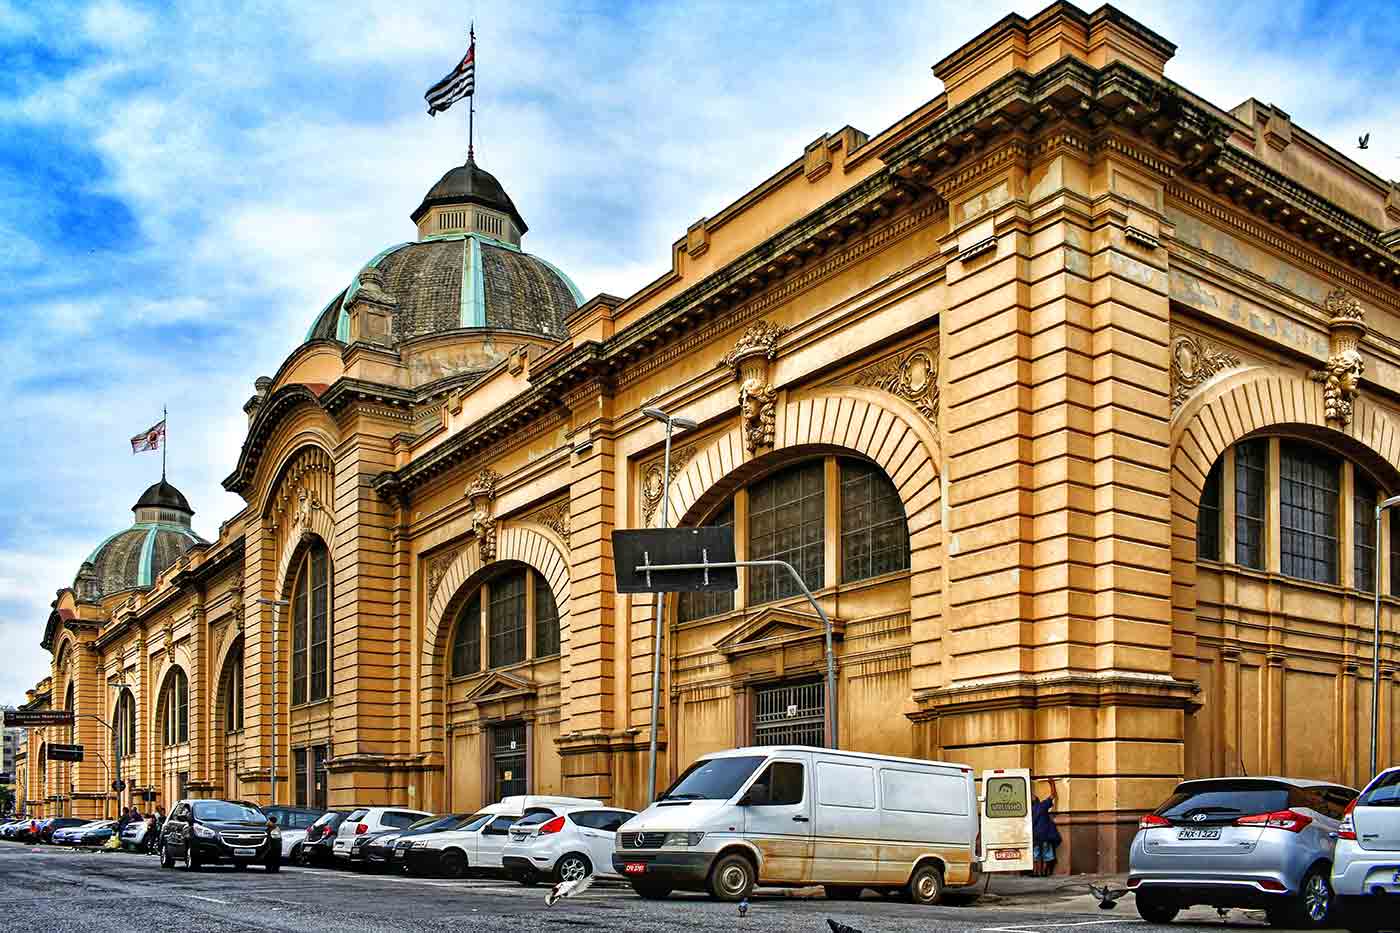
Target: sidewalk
x: 1058, y: 893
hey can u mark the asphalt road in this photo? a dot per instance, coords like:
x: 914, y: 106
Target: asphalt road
x: 48, y: 890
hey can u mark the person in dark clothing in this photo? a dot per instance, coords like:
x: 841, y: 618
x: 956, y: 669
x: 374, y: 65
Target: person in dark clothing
x: 153, y: 828
x: 1045, y: 835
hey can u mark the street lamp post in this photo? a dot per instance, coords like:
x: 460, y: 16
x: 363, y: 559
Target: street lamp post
x: 1376, y: 641
x: 117, y: 749
x: 685, y: 424
x: 277, y: 605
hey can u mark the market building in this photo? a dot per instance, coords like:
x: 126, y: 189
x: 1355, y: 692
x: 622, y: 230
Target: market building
x: 1071, y: 395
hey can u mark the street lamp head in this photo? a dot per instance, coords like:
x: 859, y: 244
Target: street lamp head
x: 684, y: 424
x: 656, y: 414
x: 676, y: 422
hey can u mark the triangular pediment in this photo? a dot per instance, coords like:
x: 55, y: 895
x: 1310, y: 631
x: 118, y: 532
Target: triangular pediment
x: 776, y: 626
x: 500, y: 685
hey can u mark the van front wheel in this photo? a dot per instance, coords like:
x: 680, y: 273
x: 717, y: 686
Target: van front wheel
x: 926, y: 886
x: 732, y: 878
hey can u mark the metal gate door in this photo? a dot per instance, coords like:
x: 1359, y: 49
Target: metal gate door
x: 790, y: 714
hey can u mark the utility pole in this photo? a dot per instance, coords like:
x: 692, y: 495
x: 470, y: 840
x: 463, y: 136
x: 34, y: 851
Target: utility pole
x: 277, y: 606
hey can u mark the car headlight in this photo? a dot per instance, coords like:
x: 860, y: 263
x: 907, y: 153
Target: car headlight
x: 204, y: 832
x: 682, y: 840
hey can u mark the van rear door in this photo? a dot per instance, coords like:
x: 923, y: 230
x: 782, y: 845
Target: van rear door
x: 1006, y: 820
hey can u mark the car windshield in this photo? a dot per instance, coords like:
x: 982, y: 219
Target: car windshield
x: 478, y: 821
x: 1224, y: 800
x: 222, y: 811
x: 713, y: 778
x: 1384, y: 792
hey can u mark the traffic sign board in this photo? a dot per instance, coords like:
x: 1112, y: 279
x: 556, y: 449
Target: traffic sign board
x: 56, y: 752
x: 652, y: 546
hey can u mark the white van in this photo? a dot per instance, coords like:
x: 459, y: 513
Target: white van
x: 478, y: 844
x: 792, y: 815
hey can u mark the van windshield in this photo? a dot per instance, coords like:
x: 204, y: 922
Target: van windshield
x: 713, y: 778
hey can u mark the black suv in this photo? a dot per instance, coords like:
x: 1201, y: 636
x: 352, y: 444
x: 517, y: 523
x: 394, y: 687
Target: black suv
x: 206, y: 832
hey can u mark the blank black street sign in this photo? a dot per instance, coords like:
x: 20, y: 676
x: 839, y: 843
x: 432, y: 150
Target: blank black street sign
x: 634, y: 547
x: 63, y: 752
x: 38, y: 717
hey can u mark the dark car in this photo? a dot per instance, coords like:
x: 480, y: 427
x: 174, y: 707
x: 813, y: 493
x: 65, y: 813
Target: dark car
x: 379, y: 851
x: 207, y: 832
x: 48, y: 827
x: 320, y: 837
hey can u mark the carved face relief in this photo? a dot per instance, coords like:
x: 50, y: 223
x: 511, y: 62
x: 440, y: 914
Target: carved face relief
x: 755, y: 349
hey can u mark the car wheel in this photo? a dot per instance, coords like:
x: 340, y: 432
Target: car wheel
x: 191, y: 863
x: 1310, y: 908
x: 572, y: 867
x: 925, y: 885
x: 166, y: 859
x: 732, y: 878
x: 843, y: 892
x: 651, y: 892
x: 1154, y: 910
x: 453, y: 863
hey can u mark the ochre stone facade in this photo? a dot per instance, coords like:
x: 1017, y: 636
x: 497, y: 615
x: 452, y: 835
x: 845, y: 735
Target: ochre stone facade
x: 1070, y: 393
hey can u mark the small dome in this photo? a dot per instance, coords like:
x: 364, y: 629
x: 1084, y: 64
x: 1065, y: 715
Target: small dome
x: 470, y: 184
x: 162, y: 495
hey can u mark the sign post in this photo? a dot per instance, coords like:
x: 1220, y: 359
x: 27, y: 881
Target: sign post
x: 701, y: 560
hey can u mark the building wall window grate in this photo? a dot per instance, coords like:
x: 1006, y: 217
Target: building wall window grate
x: 1251, y: 502
x: 1363, y: 533
x: 1208, y: 518
x: 790, y: 714
x: 1309, y: 480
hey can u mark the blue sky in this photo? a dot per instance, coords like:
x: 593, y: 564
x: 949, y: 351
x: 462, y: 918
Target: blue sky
x: 183, y: 187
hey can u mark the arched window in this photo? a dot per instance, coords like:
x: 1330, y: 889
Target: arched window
x: 175, y: 708
x: 124, y: 721
x: 232, y: 690
x: 1296, y: 509
x: 788, y: 519
x: 494, y: 626
x: 311, y: 626
x: 69, y: 701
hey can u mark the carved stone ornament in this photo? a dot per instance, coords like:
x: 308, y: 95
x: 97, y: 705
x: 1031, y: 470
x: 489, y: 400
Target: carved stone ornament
x: 169, y: 640
x: 555, y: 517
x: 911, y: 375
x: 482, y: 493
x: 755, y: 349
x: 236, y: 606
x: 1193, y: 363
x: 437, y: 569
x: 653, y: 487
x: 1341, y: 378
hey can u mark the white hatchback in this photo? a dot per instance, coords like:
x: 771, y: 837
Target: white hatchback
x: 1366, y: 862
x: 574, y: 844
x: 479, y: 844
x: 365, y: 820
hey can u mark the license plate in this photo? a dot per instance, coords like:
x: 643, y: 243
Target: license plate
x: 245, y: 853
x: 399, y: 853
x: 1198, y: 834
x: 1006, y: 854
x: 635, y: 868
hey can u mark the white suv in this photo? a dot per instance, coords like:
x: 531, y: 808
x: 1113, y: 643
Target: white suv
x: 367, y: 820
x: 576, y: 843
x: 1366, y: 863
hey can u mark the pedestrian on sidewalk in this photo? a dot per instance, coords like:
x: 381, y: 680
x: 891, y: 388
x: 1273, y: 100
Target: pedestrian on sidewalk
x: 1044, y: 833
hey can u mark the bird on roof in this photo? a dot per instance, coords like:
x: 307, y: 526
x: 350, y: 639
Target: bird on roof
x: 567, y: 889
x: 1364, y: 142
x: 1107, y: 896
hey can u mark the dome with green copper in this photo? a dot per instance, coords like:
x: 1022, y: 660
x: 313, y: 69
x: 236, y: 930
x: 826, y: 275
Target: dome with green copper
x: 132, y: 558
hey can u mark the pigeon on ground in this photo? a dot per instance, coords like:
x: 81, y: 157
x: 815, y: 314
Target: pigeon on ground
x: 1364, y: 142
x: 744, y: 907
x: 838, y: 927
x: 1107, y: 896
x: 567, y: 889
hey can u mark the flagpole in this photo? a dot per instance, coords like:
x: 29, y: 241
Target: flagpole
x: 471, y: 101
x: 165, y: 420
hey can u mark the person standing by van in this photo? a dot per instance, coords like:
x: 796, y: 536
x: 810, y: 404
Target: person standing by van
x: 1045, y: 835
